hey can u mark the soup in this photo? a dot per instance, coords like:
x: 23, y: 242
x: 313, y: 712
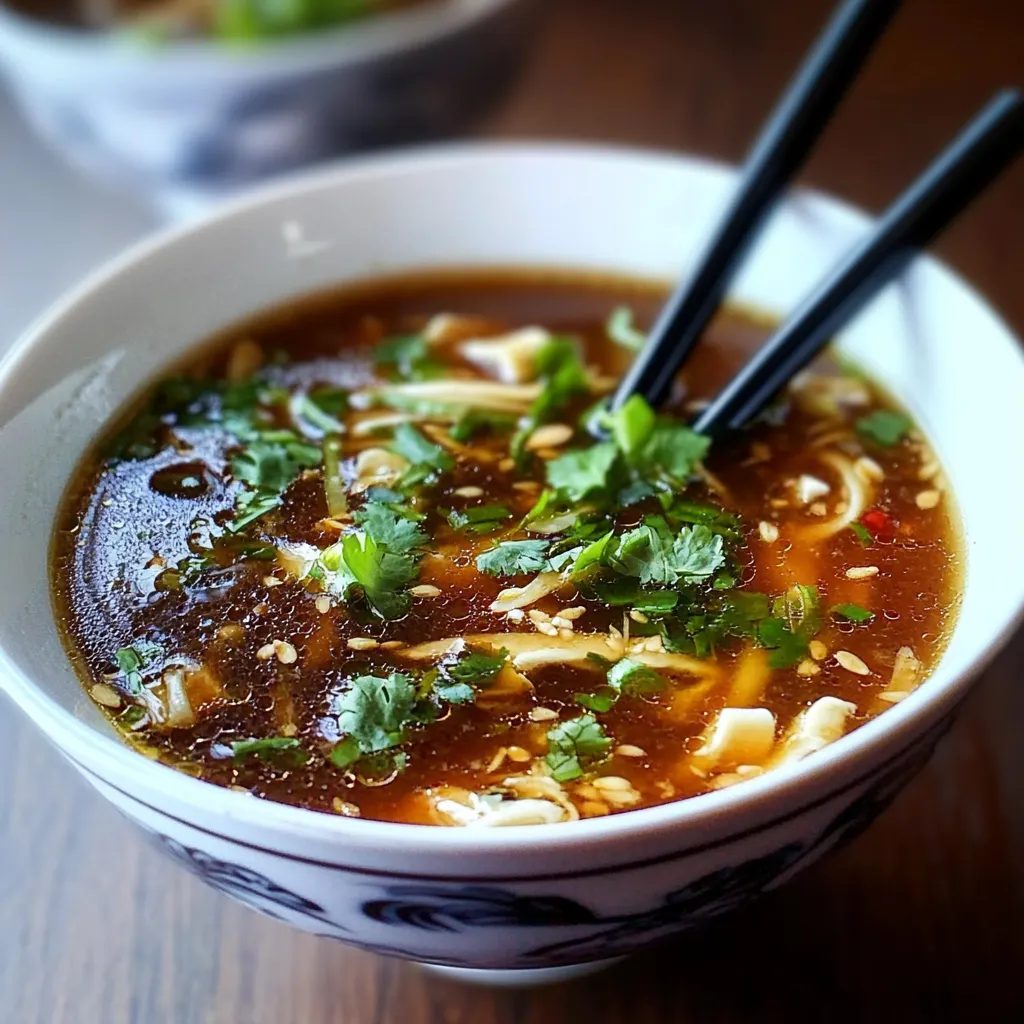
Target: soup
x: 234, y: 21
x: 385, y: 553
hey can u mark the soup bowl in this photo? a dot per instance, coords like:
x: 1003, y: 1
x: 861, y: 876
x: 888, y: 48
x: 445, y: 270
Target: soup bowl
x: 530, y: 902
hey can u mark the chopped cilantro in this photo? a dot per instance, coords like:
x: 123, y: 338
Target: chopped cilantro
x: 592, y: 554
x: 133, y: 661
x: 387, y: 528
x: 654, y: 556
x: 886, y: 427
x: 357, y: 560
x: 268, y: 467
x: 787, y: 648
x: 853, y: 612
x: 863, y: 534
x: 373, y: 714
x: 633, y: 425
x: 479, y: 421
x: 574, y: 746
x: 426, y: 459
x: 459, y: 676
x: 625, y: 678
x: 577, y: 474
x: 408, y: 356
x: 311, y: 410
x: 266, y: 747
x: 563, y: 377
x: 514, y: 558
x: 480, y: 519
x: 621, y: 330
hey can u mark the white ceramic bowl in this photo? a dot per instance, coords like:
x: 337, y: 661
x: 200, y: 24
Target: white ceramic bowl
x: 187, y: 122
x: 536, y: 897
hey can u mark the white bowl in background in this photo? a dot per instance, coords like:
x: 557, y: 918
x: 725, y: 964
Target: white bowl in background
x: 539, y: 897
x: 185, y: 123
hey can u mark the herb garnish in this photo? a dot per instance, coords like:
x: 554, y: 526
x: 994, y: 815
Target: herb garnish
x: 621, y: 329
x: 267, y: 747
x: 133, y: 661
x: 885, y: 427
x: 373, y: 715
x: 626, y: 677
x: 459, y: 675
x: 575, y: 746
x: 408, y: 356
x: 853, y: 612
x: 514, y: 558
x: 426, y: 460
x: 479, y: 519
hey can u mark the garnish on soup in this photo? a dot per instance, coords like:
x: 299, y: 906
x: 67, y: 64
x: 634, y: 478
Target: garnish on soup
x: 388, y: 554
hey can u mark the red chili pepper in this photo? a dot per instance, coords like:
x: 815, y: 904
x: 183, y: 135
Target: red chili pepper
x: 880, y: 523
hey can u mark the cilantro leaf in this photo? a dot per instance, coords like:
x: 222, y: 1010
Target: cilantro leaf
x: 885, y: 427
x: 514, y: 558
x: 563, y: 377
x: 633, y: 425
x: 373, y: 714
x: 267, y: 746
x: 268, y: 467
x: 479, y: 421
x: 133, y: 661
x: 671, y: 453
x: 480, y: 519
x: 863, y: 534
x: 408, y: 356
x: 625, y: 678
x: 621, y: 330
x: 787, y: 647
x: 578, y: 473
x: 574, y: 746
x: 358, y: 560
x: 800, y: 608
x: 650, y: 553
x: 426, y: 459
x: 459, y: 676
x: 387, y: 528
x: 853, y: 612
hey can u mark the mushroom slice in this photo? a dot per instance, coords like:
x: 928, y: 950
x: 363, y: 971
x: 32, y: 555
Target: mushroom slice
x: 813, y: 729
x: 521, y: 812
x: 739, y: 736
x: 511, y: 358
x: 522, y: 597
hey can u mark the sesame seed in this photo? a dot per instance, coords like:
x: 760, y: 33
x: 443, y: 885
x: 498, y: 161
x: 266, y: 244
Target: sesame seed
x: 572, y: 614
x: 391, y: 645
x: 928, y: 499
x: 852, y: 663
x: 106, y: 695
x: 516, y: 615
x: 506, y: 465
x: 289, y: 729
x: 272, y: 581
x: 536, y: 615
x: 425, y: 590
x: 362, y: 643
x: 323, y: 604
x: 564, y: 633
x: 893, y: 696
x: 561, y: 623
x: 286, y: 653
x: 546, y: 628
x: 266, y: 652
x: 519, y: 754
x: 551, y: 435
x: 611, y: 783
x: 807, y: 668
x: 819, y: 652
x: 469, y: 492
x: 543, y: 715
x: 637, y: 616
x: 862, y: 572
x: 769, y: 532
x: 628, y: 750
x: 526, y: 485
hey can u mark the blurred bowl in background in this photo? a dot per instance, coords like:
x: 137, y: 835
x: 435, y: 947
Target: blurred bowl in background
x: 184, y: 123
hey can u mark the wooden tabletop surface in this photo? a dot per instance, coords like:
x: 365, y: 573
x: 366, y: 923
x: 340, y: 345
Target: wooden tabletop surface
x: 920, y: 919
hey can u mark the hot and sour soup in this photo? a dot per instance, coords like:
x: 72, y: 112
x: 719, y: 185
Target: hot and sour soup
x: 386, y: 554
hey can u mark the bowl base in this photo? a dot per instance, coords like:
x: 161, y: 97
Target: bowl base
x: 525, y: 978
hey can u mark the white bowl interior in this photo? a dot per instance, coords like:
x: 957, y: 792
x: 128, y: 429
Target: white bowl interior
x: 929, y: 339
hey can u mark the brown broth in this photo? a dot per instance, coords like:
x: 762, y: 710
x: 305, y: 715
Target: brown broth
x: 117, y: 537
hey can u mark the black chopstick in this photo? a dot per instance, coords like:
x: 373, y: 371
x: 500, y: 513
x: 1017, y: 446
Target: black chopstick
x: 783, y: 146
x: 985, y: 148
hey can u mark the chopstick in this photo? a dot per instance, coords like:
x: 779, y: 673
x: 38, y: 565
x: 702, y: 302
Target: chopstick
x: 782, y: 147
x: 971, y: 162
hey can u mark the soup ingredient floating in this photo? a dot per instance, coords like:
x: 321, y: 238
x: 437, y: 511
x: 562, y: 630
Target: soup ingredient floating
x: 368, y: 558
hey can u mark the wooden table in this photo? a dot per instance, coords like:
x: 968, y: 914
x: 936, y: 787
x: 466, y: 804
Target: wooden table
x: 919, y: 920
